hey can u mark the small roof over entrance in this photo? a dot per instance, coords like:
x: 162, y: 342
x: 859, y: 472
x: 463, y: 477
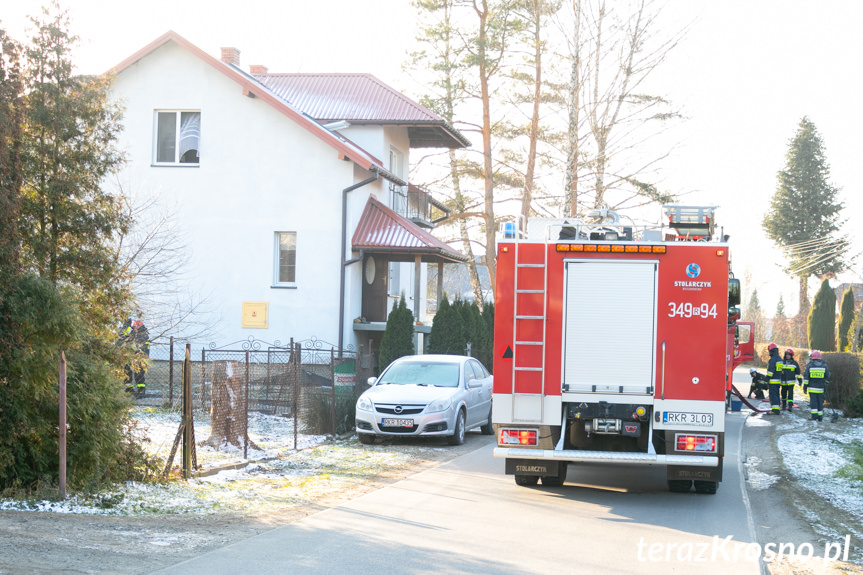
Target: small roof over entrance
x: 381, y: 230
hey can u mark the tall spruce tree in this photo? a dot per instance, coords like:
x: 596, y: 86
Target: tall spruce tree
x: 398, y: 339
x: 822, y: 319
x: 846, y: 320
x: 803, y: 218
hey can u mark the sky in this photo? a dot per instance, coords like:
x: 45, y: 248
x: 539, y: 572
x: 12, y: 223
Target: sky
x: 744, y: 75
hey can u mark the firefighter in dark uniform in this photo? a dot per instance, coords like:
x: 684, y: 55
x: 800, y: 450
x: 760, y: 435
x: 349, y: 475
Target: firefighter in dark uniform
x: 759, y: 384
x: 774, y: 377
x: 791, y: 375
x: 816, y: 377
x: 136, y: 334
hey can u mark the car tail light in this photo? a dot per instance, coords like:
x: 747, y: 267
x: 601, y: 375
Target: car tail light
x: 517, y: 437
x: 698, y: 443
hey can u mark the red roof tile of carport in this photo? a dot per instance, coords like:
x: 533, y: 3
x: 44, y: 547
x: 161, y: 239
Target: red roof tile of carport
x: 381, y: 230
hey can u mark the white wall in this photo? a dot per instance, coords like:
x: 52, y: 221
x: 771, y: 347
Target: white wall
x: 259, y: 173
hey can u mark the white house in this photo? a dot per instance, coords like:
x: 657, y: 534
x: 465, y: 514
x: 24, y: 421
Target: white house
x: 292, y: 189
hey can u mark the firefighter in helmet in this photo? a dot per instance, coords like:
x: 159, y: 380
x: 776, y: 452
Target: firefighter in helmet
x: 774, y: 377
x: 135, y: 333
x: 816, y: 377
x: 791, y: 375
x: 759, y: 384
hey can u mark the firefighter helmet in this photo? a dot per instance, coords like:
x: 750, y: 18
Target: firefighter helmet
x: 790, y: 352
x: 771, y: 347
x: 752, y: 372
x: 815, y: 354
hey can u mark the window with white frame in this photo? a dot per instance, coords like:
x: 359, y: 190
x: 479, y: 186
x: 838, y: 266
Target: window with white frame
x: 285, y: 272
x: 178, y: 137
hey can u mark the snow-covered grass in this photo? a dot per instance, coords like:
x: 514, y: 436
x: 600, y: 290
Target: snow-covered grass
x: 276, y: 477
x: 823, y: 457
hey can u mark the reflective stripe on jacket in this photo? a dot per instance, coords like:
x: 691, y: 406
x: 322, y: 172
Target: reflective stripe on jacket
x: 817, y: 375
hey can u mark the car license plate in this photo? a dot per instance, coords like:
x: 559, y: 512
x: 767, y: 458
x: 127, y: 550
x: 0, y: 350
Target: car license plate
x: 687, y: 418
x: 389, y: 422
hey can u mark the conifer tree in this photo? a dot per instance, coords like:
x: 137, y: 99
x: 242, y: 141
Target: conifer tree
x: 398, y: 339
x: 822, y: 319
x: 804, y: 213
x: 447, y: 332
x: 846, y: 320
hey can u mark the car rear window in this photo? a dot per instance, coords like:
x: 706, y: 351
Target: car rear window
x: 422, y: 373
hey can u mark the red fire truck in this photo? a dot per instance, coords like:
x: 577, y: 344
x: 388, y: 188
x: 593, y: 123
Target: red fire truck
x: 612, y: 345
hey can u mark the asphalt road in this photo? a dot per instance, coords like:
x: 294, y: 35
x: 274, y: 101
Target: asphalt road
x: 466, y: 516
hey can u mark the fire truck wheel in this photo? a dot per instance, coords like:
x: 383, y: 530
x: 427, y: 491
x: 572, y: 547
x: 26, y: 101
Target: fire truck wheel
x: 708, y: 487
x: 488, y: 428
x: 679, y: 485
x: 526, y: 480
x: 457, y: 437
x: 556, y: 480
x: 366, y: 438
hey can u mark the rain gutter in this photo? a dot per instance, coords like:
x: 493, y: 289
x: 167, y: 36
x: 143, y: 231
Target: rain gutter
x: 346, y: 262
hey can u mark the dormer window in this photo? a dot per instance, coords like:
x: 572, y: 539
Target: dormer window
x: 178, y: 137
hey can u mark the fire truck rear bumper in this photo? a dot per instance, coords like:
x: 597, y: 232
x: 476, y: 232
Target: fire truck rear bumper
x: 607, y: 457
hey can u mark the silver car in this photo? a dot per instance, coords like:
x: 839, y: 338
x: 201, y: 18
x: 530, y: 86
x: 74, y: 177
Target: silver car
x: 427, y: 395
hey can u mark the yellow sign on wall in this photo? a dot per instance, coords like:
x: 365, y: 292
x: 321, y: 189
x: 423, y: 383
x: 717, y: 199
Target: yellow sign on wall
x: 255, y: 314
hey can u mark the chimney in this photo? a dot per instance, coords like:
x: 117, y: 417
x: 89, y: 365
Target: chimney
x: 258, y: 70
x: 231, y: 56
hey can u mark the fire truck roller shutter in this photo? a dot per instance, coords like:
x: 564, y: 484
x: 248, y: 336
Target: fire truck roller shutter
x: 610, y: 326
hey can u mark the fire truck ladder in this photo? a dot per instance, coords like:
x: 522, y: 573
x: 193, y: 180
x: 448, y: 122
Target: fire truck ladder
x: 526, y: 311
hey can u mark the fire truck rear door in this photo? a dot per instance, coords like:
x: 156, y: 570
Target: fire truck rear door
x: 609, y: 343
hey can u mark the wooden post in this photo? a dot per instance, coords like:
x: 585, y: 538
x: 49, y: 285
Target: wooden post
x: 62, y: 438
x: 171, y: 374
x: 187, y: 413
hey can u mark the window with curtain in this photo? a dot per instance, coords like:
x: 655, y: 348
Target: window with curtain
x: 178, y: 137
x: 286, y: 258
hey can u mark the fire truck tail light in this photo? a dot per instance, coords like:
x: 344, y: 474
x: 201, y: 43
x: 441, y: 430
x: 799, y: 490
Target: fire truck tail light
x: 644, y: 249
x: 699, y: 443
x: 631, y: 249
x: 658, y: 249
x: 720, y: 253
x: 562, y: 247
x: 518, y: 437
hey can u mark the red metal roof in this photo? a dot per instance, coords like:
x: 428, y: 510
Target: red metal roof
x: 382, y: 230
x: 362, y: 99
x: 345, y: 148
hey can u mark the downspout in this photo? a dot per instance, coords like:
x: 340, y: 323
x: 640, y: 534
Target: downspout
x: 345, y: 262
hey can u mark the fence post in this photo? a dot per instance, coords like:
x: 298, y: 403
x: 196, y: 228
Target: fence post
x: 62, y: 437
x: 246, y: 425
x: 171, y: 374
x: 295, y: 371
x: 187, y: 413
x: 333, y: 392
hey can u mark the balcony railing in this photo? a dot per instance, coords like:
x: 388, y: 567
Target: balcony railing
x: 417, y: 205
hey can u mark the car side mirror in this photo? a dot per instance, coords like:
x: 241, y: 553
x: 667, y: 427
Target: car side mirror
x: 372, y: 380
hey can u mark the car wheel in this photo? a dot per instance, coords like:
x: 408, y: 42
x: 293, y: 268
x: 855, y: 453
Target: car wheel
x: 457, y: 437
x: 366, y: 438
x: 679, y: 485
x: 556, y: 480
x: 708, y: 487
x: 488, y: 428
x: 526, y: 480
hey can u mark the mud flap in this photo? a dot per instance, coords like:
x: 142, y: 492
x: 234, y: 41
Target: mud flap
x: 679, y: 472
x: 532, y: 467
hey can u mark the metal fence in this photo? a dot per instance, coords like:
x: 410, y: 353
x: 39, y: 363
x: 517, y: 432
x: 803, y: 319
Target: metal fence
x: 252, y: 395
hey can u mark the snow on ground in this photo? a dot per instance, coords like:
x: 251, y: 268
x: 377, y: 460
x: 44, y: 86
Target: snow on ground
x: 277, y: 475
x: 816, y: 454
